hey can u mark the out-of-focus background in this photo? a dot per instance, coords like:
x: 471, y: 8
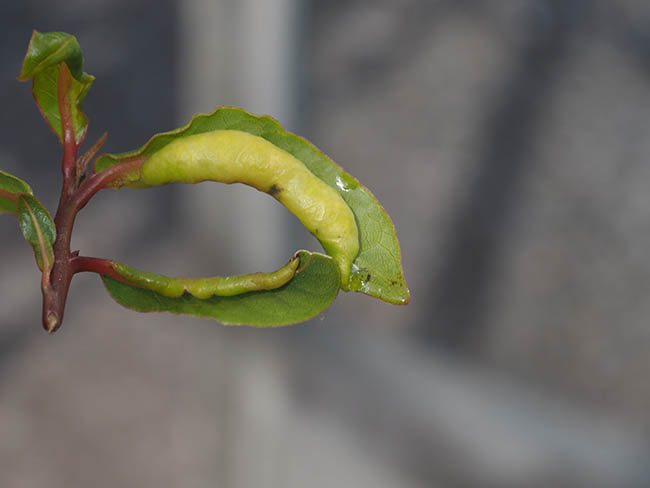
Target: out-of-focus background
x: 510, y: 142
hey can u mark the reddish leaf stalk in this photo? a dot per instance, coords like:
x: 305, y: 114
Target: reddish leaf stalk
x: 100, y: 266
x: 102, y: 180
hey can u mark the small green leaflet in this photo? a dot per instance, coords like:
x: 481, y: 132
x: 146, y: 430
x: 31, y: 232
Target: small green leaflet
x: 36, y: 224
x: 377, y: 269
x: 55, y: 58
x: 10, y: 189
x: 311, y: 291
x: 38, y: 228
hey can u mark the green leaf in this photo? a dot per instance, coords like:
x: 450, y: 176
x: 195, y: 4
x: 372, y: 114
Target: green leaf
x: 311, y: 291
x: 10, y: 190
x: 36, y: 224
x: 49, y: 49
x: 53, y: 58
x: 377, y: 269
x: 38, y: 228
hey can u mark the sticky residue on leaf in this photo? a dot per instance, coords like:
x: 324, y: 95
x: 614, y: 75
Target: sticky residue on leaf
x: 346, y: 183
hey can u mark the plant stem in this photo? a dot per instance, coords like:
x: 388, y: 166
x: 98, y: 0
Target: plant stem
x: 75, y: 194
x: 54, y: 297
x: 66, y: 264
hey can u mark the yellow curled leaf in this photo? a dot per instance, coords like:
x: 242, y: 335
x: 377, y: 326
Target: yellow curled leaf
x: 230, y: 156
x: 203, y: 288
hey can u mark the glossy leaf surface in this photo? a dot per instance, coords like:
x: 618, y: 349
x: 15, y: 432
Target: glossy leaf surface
x: 311, y: 291
x: 53, y: 58
x: 377, y: 269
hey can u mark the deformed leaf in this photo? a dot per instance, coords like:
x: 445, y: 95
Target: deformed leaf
x: 38, y: 229
x: 309, y: 292
x: 10, y: 190
x: 232, y: 156
x: 51, y: 48
x: 207, y: 287
x: 377, y: 268
x: 53, y: 58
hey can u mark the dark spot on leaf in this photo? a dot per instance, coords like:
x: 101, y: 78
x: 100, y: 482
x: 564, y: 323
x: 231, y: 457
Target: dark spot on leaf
x: 275, y: 190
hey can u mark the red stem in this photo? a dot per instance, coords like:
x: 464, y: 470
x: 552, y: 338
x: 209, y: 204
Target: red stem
x: 73, y: 198
x: 100, y: 266
x: 55, y: 295
x: 65, y: 263
x: 75, y: 194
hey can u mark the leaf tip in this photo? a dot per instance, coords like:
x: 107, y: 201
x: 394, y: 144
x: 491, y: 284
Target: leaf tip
x: 24, y: 74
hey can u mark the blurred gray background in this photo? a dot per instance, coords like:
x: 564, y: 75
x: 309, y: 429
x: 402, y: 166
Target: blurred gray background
x: 508, y: 139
